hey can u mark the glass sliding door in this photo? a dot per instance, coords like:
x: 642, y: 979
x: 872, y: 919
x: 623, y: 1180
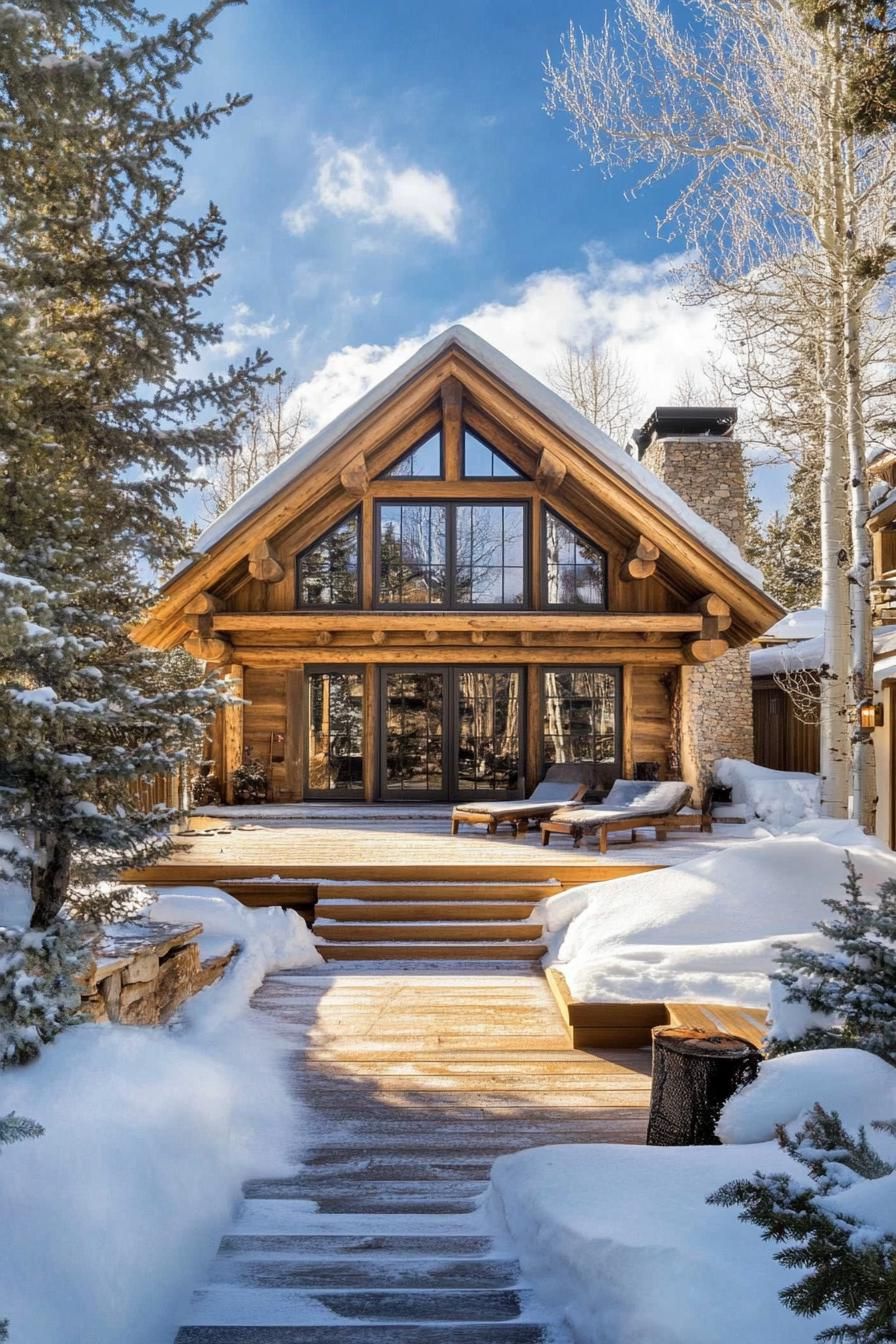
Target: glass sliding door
x: 581, y: 715
x: 488, y: 732
x: 334, y: 734
x: 413, y: 734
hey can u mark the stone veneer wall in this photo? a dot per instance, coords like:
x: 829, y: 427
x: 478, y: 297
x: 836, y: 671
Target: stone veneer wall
x: 717, y: 699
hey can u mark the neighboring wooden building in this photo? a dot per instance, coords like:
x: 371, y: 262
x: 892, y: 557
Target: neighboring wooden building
x: 882, y: 524
x: 457, y: 583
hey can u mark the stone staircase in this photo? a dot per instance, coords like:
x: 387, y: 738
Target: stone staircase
x: 425, y: 921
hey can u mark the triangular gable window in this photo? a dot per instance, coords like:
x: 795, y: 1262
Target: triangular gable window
x: 421, y: 463
x: 482, y: 462
x: 327, y: 573
x: 575, y: 569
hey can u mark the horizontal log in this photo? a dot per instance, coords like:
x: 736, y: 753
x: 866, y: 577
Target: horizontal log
x: 204, y: 604
x: 640, y: 560
x: 354, y: 477
x: 263, y: 563
x: 550, y: 472
x: 679, y: 622
x: 209, y: 650
x: 290, y: 656
x: 704, y: 650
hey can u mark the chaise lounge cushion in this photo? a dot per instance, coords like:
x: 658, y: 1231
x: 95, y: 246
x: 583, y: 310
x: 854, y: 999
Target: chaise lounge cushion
x: 545, y: 798
x: 631, y: 798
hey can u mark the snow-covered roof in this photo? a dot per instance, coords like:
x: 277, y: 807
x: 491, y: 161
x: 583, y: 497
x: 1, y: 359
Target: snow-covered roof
x: 807, y: 654
x: 805, y: 624
x: 883, y: 502
x: 529, y: 389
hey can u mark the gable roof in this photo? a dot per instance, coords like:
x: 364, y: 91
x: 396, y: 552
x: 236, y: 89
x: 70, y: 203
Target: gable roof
x: 552, y: 406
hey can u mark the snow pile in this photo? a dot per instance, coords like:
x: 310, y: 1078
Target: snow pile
x: 149, y: 1134
x: 705, y: 930
x: 622, y: 1239
x: 779, y: 798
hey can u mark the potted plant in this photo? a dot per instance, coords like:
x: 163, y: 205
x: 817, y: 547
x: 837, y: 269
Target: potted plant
x: 206, y: 787
x: 250, y: 780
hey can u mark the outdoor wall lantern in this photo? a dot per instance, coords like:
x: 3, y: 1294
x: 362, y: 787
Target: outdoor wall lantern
x: 871, y: 716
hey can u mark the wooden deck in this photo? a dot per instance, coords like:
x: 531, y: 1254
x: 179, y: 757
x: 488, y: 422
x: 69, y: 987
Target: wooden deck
x: 409, y: 1084
x: 372, y: 844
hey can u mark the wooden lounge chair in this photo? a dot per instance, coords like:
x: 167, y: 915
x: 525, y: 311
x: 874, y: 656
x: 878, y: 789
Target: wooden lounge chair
x: 629, y: 805
x: 552, y: 793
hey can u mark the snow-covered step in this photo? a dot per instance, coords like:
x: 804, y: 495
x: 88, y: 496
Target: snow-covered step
x: 437, y: 891
x: 324, y: 1245
x: 368, y: 1271
x: 321, y: 1185
x: 233, y: 1305
x: 502, y: 1332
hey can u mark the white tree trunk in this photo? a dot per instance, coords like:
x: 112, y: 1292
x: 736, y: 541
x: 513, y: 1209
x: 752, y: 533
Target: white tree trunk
x: 861, y: 668
x: 834, y: 714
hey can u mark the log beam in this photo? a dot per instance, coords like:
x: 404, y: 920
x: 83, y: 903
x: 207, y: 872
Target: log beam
x: 232, y: 734
x: 263, y: 563
x: 550, y: 472
x: 431, y: 636
x: 713, y: 608
x: 209, y: 648
x: 378, y: 636
x: 452, y: 428
x: 302, y: 623
x: 704, y: 650
x: 354, y: 477
x: 640, y: 560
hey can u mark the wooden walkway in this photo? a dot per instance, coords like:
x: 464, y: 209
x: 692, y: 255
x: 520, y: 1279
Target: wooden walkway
x: 411, y: 1083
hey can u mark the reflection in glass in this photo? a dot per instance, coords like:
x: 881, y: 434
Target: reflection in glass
x: 335, y: 732
x: 424, y: 461
x: 576, y: 569
x: 579, y: 716
x: 488, y: 707
x: 481, y: 461
x: 490, y: 569
x: 412, y: 554
x: 413, y: 732
x: 328, y: 570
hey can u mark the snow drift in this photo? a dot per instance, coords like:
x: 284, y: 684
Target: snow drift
x: 706, y: 930
x: 780, y: 798
x: 149, y: 1133
x: 621, y: 1237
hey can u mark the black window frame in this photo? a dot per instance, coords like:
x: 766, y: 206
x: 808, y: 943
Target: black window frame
x: 388, y: 475
x: 548, y: 605
x: 355, y: 514
x: 611, y: 669
x: 450, y: 506
x: 331, y: 670
x: 518, y: 474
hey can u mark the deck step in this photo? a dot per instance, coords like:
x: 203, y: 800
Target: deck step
x: 427, y: 932
x: 444, y: 951
x: 368, y: 1272
x: 493, y: 1333
x: 416, y: 911
x: 311, y: 1245
x: 410, y: 890
x: 274, y: 1306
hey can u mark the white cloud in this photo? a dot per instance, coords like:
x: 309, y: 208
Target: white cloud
x: 363, y: 183
x: 632, y: 306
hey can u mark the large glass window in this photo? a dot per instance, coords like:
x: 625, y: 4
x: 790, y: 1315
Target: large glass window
x: 490, y: 566
x: 481, y: 461
x: 413, y: 719
x: 412, y: 554
x: 422, y: 463
x: 488, y: 720
x: 575, y: 568
x: 327, y: 572
x: 581, y: 708
x: 335, y: 733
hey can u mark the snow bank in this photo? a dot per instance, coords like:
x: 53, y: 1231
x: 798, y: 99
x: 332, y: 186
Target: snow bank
x: 150, y: 1133
x: 706, y: 930
x: 780, y: 798
x: 621, y: 1238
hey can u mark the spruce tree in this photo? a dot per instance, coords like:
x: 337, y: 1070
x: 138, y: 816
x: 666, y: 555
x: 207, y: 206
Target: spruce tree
x: 851, y: 1266
x: 854, y: 982
x: 103, y: 281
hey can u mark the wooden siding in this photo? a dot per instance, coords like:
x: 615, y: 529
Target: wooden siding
x: 651, y: 710
x: 264, y: 723
x: 781, y: 741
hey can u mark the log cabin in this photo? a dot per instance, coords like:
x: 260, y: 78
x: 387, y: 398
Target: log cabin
x: 461, y: 581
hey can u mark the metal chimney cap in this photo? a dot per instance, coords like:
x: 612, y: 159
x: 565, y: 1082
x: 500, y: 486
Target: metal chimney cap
x: 677, y: 422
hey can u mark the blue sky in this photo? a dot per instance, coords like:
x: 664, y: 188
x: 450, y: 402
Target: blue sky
x: 395, y: 171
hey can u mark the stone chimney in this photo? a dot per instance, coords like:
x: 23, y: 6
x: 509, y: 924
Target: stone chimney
x: 692, y: 449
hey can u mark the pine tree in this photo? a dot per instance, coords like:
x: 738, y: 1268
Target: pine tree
x: 14, y: 1128
x: 852, y: 1267
x: 102, y: 280
x: 39, y: 994
x: 854, y: 982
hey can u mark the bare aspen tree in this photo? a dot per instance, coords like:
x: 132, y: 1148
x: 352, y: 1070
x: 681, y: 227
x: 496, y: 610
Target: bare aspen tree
x: 275, y: 425
x: 751, y: 109
x: 598, y: 380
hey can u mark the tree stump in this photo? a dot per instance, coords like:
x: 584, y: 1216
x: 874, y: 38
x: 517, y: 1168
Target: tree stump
x: 694, y: 1074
